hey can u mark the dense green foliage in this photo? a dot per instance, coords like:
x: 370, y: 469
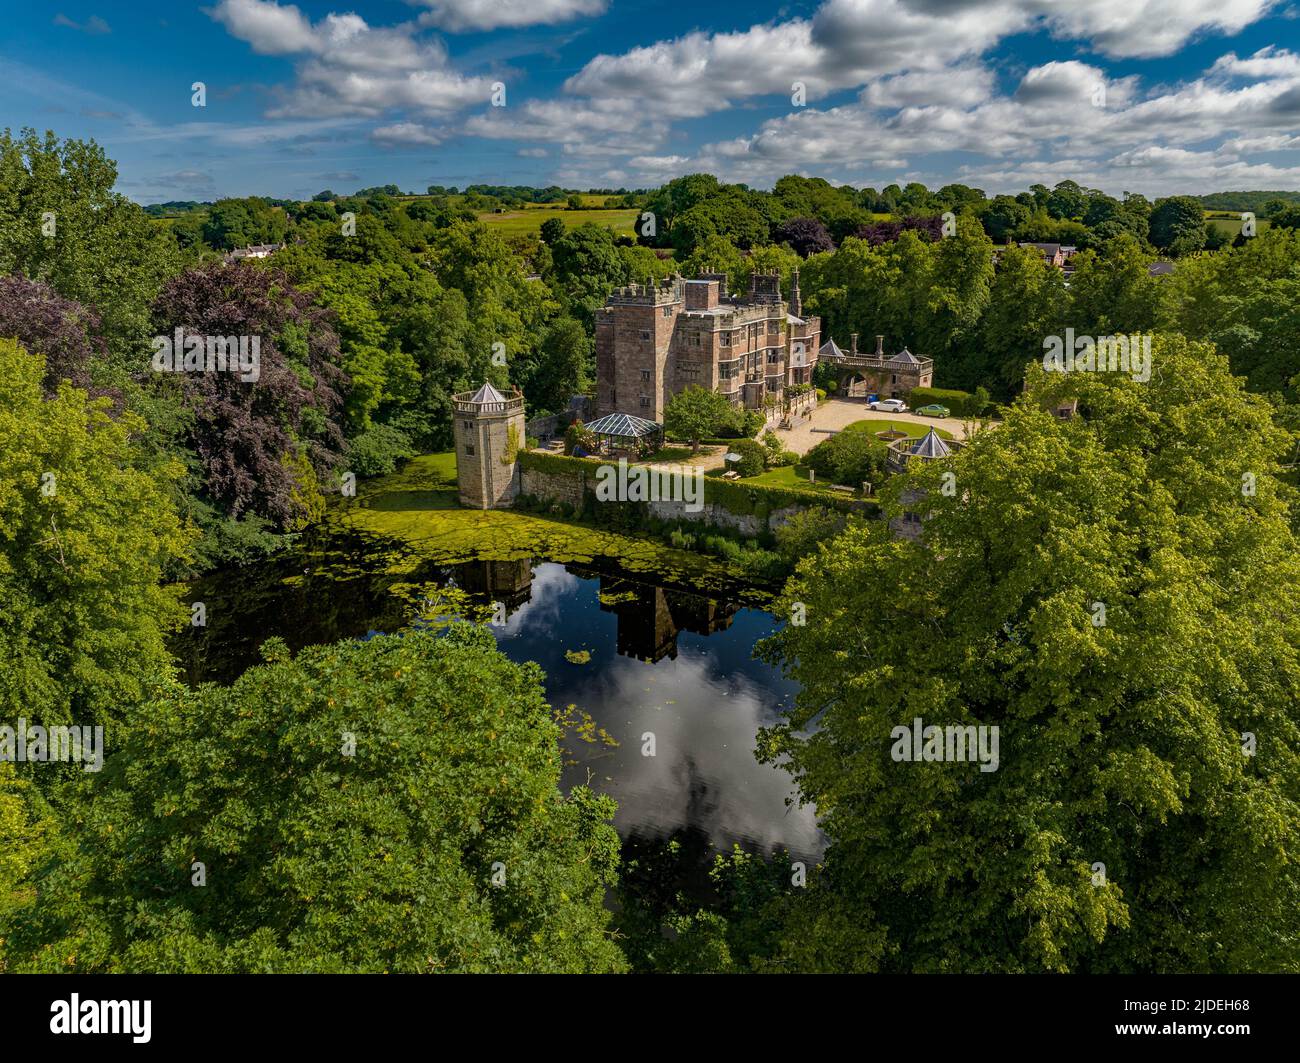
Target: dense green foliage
x: 1164, y: 502
x: 1123, y: 743
x: 389, y: 806
x: 87, y: 537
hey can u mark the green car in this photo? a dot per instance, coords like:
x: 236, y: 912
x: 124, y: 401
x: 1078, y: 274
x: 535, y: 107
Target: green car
x: 933, y: 410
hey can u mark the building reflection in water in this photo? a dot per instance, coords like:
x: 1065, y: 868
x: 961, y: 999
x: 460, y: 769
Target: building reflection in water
x: 649, y: 617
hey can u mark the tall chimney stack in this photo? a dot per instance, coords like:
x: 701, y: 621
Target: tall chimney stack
x: 853, y: 344
x: 880, y: 346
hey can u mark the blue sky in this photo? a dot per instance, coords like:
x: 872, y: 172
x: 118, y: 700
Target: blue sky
x: 1156, y: 96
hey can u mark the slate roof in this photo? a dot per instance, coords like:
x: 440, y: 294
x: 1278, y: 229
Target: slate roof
x: 487, y: 393
x: 930, y: 446
x: 829, y: 350
x: 906, y: 356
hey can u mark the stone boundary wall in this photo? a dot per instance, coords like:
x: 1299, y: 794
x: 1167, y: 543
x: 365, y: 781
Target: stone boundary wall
x: 748, y: 509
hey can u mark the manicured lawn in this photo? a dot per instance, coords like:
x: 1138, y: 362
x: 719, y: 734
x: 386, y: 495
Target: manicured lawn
x: 913, y: 429
x: 788, y: 476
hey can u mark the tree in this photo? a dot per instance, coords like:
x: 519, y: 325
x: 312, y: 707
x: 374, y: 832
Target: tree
x: 1002, y: 217
x: 264, y: 443
x: 552, y: 230
x: 695, y: 413
x: 587, y: 267
x: 1067, y: 201
x: 1287, y: 217
x: 806, y: 236
x: 235, y: 223
x: 1246, y: 300
x: 850, y: 458
x: 85, y: 537
x: 1178, y: 225
x: 64, y: 331
x: 62, y: 223
x: 1113, y: 292
x: 1027, y: 302
x: 1083, y: 590
x: 559, y: 370
x: 382, y: 806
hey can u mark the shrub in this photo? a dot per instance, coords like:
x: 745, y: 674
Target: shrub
x: 753, y: 457
x: 802, y: 532
x: 848, y: 458
x: 782, y: 459
x: 577, y: 435
x: 377, y: 450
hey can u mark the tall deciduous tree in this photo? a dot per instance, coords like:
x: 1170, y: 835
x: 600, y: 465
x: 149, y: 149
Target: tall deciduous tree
x: 380, y: 806
x: 85, y: 537
x: 1119, y: 594
x: 265, y: 443
x: 61, y: 222
x: 695, y: 413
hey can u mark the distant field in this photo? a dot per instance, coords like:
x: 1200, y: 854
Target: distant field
x: 529, y: 221
x: 1229, y: 221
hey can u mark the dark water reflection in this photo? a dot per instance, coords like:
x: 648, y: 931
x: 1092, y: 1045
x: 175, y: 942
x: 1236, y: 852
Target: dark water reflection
x: 663, y: 661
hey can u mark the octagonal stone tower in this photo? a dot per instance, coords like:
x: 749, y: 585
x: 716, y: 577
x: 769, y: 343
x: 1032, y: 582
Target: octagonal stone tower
x: 489, y: 433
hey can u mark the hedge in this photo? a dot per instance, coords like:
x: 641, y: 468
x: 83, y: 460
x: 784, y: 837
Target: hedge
x: 959, y: 403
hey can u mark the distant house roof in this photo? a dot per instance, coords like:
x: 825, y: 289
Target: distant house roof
x: 487, y: 393
x: 930, y: 446
x: 624, y: 426
x: 829, y: 350
x: 1047, y: 249
x: 1160, y: 269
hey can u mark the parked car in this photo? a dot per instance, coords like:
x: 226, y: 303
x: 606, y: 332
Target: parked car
x: 888, y: 406
x: 933, y: 410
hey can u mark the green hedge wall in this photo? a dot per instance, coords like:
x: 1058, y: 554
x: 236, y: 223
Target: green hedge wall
x: 959, y: 403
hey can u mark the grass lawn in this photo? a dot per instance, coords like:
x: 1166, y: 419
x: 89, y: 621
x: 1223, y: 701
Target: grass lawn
x: 916, y: 431
x: 528, y: 222
x: 795, y: 476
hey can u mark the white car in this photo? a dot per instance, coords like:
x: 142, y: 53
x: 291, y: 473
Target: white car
x: 889, y: 406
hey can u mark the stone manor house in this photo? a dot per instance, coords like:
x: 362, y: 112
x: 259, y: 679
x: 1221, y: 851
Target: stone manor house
x: 654, y: 340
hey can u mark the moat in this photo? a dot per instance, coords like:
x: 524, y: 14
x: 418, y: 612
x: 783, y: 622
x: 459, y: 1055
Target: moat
x: 641, y: 638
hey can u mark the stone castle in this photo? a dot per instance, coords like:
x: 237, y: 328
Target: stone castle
x: 654, y: 340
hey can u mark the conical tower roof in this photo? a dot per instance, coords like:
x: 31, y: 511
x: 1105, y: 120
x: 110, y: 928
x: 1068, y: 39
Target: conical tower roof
x: 487, y: 393
x: 930, y: 446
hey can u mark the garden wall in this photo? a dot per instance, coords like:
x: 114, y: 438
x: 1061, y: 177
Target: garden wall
x: 751, y: 510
